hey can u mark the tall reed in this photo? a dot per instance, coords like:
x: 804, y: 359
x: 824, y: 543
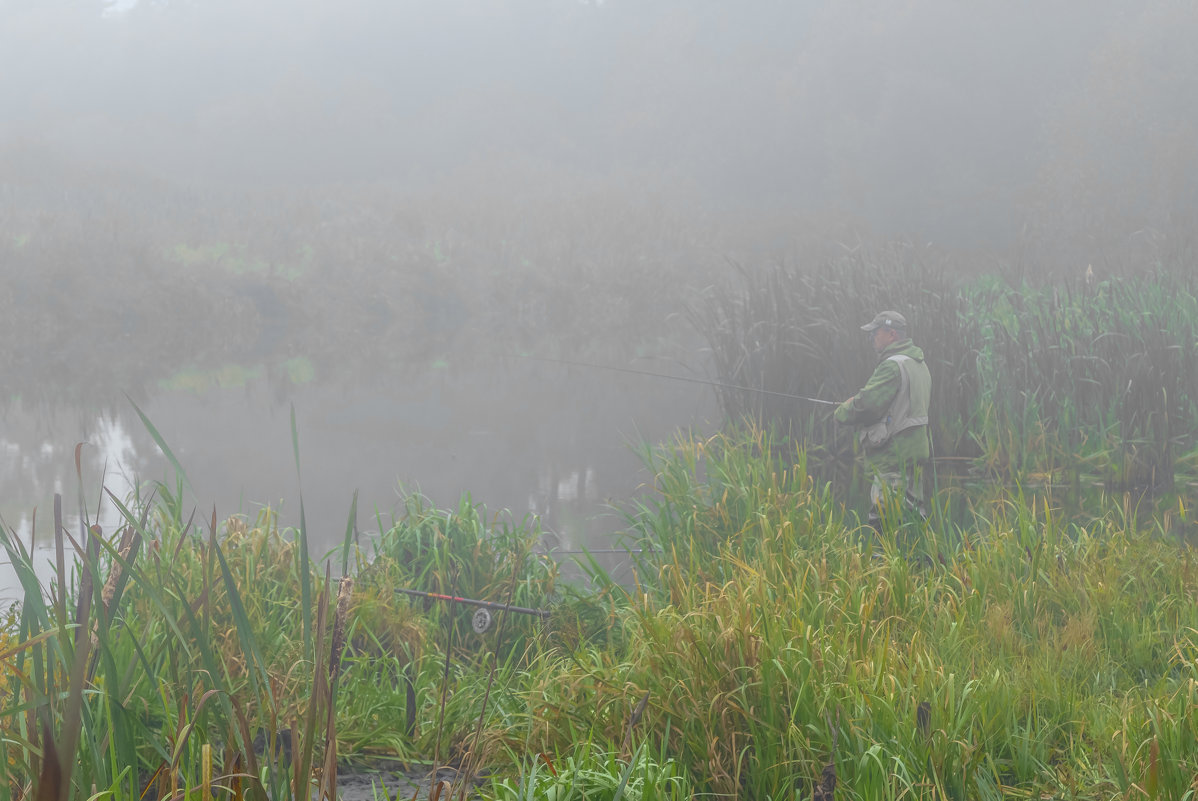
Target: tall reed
x: 1047, y: 381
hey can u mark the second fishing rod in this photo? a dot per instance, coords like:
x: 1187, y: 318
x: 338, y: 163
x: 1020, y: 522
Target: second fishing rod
x: 688, y: 379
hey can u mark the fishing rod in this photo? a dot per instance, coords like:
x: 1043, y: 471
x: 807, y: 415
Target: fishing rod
x: 556, y: 551
x: 688, y: 379
x: 541, y: 613
x: 706, y: 382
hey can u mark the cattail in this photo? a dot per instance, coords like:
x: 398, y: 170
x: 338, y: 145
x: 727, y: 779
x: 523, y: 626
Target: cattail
x: 826, y: 789
x: 50, y: 783
x: 130, y: 542
x: 923, y: 718
x: 636, y: 717
x: 344, y: 593
x: 206, y: 772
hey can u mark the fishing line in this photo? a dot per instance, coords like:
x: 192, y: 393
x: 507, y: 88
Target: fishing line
x: 688, y: 379
x: 722, y: 385
x: 704, y: 381
x: 556, y: 552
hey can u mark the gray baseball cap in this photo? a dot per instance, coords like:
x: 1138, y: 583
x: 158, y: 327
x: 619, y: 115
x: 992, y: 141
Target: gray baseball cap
x: 886, y: 319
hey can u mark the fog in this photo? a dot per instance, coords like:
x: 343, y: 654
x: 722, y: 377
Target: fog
x: 933, y: 118
x: 372, y: 199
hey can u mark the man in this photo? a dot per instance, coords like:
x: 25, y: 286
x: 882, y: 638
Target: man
x: 892, y: 410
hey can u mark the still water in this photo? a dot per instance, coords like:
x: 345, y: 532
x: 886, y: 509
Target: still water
x: 520, y: 437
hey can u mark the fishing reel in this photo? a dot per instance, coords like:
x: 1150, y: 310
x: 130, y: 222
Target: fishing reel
x: 480, y: 621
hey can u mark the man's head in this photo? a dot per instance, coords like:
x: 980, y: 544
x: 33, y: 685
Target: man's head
x: 885, y: 329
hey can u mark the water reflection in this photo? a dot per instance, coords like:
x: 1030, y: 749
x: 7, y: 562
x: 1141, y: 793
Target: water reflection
x: 519, y: 437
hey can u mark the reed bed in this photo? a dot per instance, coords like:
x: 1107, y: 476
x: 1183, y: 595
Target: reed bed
x: 1097, y: 378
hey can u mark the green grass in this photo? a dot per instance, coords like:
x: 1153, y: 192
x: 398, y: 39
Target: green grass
x: 589, y: 775
x: 764, y: 645
x: 1041, y: 649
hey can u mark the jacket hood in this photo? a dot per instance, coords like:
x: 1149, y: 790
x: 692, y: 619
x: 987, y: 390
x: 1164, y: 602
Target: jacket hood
x: 905, y: 348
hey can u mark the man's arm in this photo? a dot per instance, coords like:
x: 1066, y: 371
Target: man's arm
x: 871, y: 402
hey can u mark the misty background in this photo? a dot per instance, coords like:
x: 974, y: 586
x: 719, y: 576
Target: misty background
x: 377, y: 211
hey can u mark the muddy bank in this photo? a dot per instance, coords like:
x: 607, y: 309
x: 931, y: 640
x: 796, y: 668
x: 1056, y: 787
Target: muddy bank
x: 373, y: 779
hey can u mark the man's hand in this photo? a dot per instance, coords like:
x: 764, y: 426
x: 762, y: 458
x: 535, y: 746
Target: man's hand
x: 844, y: 411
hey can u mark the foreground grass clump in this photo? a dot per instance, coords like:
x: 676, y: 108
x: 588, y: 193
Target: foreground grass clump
x: 591, y: 775
x: 765, y: 648
x: 161, y: 658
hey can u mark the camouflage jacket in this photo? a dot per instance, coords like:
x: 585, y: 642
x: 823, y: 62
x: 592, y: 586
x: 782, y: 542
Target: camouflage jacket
x: 877, y: 399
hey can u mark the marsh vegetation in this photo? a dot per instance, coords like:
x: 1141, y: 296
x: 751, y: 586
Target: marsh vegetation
x: 1035, y: 637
